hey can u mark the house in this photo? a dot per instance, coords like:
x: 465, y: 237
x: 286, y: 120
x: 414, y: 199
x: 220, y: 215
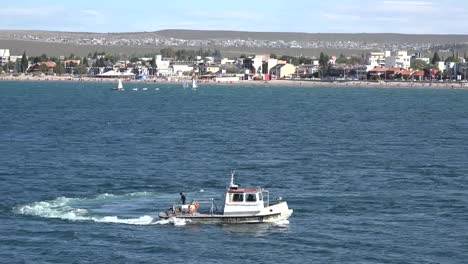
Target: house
x: 283, y: 70
x: 306, y: 69
x: 377, y: 73
x: 4, y: 56
x: 227, y: 61
x: 37, y: 66
x: 72, y: 63
x: 418, y: 75
x: 254, y: 65
x: 377, y: 59
x: 15, y: 58
x: 404, y: 74
x: 213, y: 68
x: 401, y: 60
x: 163, y: 66
x: 268, y: 65
x: 182, y: 66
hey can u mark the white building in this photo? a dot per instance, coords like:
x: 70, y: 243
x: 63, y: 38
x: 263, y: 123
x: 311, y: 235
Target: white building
x: 4, y: 56
x: 225, y: 61
x: 209, y: 59
x: 271, y: 63
x: 182, y: 67
x: 163, y: 66
x: 377, y: 59
x: 400, y: 60
x: 257, y: 64
x: 15, y: 58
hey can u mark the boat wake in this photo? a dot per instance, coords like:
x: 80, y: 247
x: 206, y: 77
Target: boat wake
x: 174, y: 221
x: 284, y: 223
x: 91, y: 209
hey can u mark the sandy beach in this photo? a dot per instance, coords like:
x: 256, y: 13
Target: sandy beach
x: 294, y: 83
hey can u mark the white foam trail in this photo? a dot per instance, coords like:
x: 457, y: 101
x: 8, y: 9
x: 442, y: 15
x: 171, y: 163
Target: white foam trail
x: 105, y: 196
x: 139, y: 194
x: 60, y: 208
x: 180, y: 222
x: 57, y: 208
x: 144, y: 220
x: 174, y: 221
x: 282, y: 223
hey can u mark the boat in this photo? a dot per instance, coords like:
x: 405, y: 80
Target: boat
x: 119, y: 86
x: 241, y: 206
x: 194, y: 84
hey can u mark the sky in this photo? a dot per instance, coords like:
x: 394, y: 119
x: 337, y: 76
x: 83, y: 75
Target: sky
x: 332, y: 16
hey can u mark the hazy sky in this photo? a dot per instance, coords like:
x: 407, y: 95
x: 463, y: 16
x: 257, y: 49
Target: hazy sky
x: 355, y: 16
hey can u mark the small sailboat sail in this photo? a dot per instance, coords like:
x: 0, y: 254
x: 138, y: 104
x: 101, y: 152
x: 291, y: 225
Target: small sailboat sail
x: 119, y: 86
x: 194, y: 84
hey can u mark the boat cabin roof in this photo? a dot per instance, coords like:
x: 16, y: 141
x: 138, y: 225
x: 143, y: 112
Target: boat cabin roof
x: 244, y: 190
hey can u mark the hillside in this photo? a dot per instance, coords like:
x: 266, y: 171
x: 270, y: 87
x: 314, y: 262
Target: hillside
x: 231, y: 43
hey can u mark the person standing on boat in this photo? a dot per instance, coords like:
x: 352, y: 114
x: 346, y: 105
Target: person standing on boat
x: 182, y: 198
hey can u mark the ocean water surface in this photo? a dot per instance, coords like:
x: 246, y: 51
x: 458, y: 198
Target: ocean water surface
x: 374, y: 175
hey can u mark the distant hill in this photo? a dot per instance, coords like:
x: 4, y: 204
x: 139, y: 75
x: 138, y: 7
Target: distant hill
x: 231, y: 43
x: 288, y: 36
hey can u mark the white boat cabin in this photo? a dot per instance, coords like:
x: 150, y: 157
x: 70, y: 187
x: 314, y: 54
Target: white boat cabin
x: 244, y: 201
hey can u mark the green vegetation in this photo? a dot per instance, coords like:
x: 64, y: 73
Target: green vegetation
x: 453, y: 58
x: 436, y: 58
x: 324, y: 60
x: 353, y: 60
x: 418, y: 65
x: 296, y: 60
x: 24, y: 62
x: 59, y: 69
x: 43, y: 68
x: 81, y: 70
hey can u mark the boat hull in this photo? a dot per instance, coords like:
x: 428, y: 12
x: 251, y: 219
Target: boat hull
x: 271, y: 214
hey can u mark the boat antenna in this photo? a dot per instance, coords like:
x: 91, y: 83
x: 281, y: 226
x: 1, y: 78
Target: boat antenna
x: 232, y: 185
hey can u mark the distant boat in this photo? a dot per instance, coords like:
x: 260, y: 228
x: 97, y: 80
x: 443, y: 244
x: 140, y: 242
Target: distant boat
x: 156, y: 89
x: 135, y: 89
x: 119, y: 86
x: 145, y: 89
x: 194, y: 84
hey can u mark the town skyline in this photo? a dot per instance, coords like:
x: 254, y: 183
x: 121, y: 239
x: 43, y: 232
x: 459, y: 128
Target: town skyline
x: 344, y: 16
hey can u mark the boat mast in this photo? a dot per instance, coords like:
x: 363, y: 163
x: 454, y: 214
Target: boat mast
x: 232, y: 185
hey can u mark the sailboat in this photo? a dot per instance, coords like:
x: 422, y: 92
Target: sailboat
x: 194, y: 84
x: 119, y: 86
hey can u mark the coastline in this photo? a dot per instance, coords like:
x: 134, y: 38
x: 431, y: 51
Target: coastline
x: 293, y: 83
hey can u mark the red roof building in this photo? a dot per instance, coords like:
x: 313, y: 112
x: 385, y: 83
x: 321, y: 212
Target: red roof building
x: 75, y: 62
x: 405, y: 72
x: 378, y: 70
x: 37, y: 66
x: 419, y: 74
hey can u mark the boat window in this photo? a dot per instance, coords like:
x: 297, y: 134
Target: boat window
x: 251, y: 197
x: 238, y: 197
x: 260, y: 197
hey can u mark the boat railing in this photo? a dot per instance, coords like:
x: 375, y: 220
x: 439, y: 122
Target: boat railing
x: 211, y: 202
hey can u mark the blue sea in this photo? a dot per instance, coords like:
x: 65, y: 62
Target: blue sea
x: 374, y: 175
